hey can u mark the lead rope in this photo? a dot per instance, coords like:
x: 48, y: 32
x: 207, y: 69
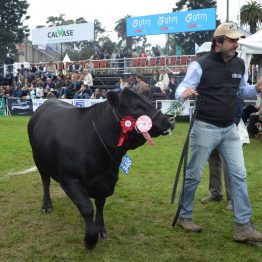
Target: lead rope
x: 183, y: 161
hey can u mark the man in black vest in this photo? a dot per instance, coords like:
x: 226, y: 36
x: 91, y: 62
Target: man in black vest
x: 217, y: 78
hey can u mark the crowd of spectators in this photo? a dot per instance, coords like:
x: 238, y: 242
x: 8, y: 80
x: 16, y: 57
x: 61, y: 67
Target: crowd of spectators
x: 45, y: 81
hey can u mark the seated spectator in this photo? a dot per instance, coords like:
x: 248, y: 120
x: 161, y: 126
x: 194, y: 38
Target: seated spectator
x: 123, y: 83
x: 7, y: 90
x: 50, y: 70
x: 16, y: 92
x: 2, y: 92
x: 75, y: 82
x: 171, y: 89
x: 163, y: 80
x: 84, y: 92
x: 254, y: 118
x: 155, y: 77
x: 88, y: 78
x: 248, y: 110
x: 77, y: 67
x: 103, y: 93
x: 97, y: 94
x: 50, y: 94
x: 59, y: 82
x: 141, y: 87
x: 41, y: 68
x: 32, y: 92
x: 119, y: 86
x: 39, y: 91
x: 33, y: 69
x: 66, y: 91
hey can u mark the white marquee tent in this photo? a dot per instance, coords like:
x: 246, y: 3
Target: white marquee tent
x: 252, y: 45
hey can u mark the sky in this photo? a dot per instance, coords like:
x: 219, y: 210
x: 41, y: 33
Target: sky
x: 107, y: 12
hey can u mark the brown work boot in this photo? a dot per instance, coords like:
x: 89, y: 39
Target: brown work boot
x: 247, y: 233
x: 188, y: 224
x: 209, y: 198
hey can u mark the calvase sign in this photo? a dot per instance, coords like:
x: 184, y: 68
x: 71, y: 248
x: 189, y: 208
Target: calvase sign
x: 177, y: 22
x: 62, y: 34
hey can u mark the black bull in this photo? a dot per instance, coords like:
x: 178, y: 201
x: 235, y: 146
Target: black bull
x: 78, y: 147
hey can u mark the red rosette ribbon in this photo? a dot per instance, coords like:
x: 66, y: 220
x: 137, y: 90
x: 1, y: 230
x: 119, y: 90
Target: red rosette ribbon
x: 127, y: 124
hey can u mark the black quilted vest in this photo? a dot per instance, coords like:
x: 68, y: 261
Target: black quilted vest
x: 218, y: 88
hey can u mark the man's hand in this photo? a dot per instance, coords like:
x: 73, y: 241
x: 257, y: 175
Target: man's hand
x: 190, y: 93
x: 259, y: 85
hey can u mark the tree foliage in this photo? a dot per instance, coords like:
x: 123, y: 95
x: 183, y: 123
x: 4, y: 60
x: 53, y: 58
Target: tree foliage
x: 187, y: 40
x: 251, y: 14
x: 12, y: 31
x: 128, y: 42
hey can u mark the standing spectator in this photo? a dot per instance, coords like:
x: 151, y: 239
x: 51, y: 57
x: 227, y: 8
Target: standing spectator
x: 113, y: 59
x: 142, y: 53
x: 90, y: 66
x: 134, y: 53
x: 9, y: 61
x: 156, y: 53
x: 219, y: 77
x: 120, y: 61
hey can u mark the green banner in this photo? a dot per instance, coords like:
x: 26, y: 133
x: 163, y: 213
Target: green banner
x: 2, y: 107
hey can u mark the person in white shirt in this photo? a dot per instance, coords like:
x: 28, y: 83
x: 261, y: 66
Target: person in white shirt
x: 88, y: 79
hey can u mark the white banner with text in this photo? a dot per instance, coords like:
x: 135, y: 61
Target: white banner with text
x: 62, y: 34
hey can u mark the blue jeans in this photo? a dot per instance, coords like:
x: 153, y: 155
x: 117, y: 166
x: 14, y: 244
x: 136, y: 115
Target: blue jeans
x: 204, y: 138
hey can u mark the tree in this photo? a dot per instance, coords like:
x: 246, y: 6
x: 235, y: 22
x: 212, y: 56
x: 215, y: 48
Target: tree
x: 12, y: 31
x: 187, y: 40
x: 251, y: 14
x: 120, y: 29
x: 127, y: 42
x: 58, y: 21
x: 98, y: 29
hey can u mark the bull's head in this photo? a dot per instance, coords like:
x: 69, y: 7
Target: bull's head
x: 129, y: 103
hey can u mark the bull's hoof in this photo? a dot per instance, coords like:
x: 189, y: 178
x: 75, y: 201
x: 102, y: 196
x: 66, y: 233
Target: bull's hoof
x: 47, y: 210
x: 91, y: 241
x: 103, y: 235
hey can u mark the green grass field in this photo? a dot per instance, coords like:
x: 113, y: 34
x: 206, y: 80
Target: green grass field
x: 138, y: 216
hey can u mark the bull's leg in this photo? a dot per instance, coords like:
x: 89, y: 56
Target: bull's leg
x: 99, y: 220
x: 47, y: 203
x: 80, y: 198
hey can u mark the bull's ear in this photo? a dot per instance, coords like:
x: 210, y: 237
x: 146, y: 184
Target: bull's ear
x: 113, y: 99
